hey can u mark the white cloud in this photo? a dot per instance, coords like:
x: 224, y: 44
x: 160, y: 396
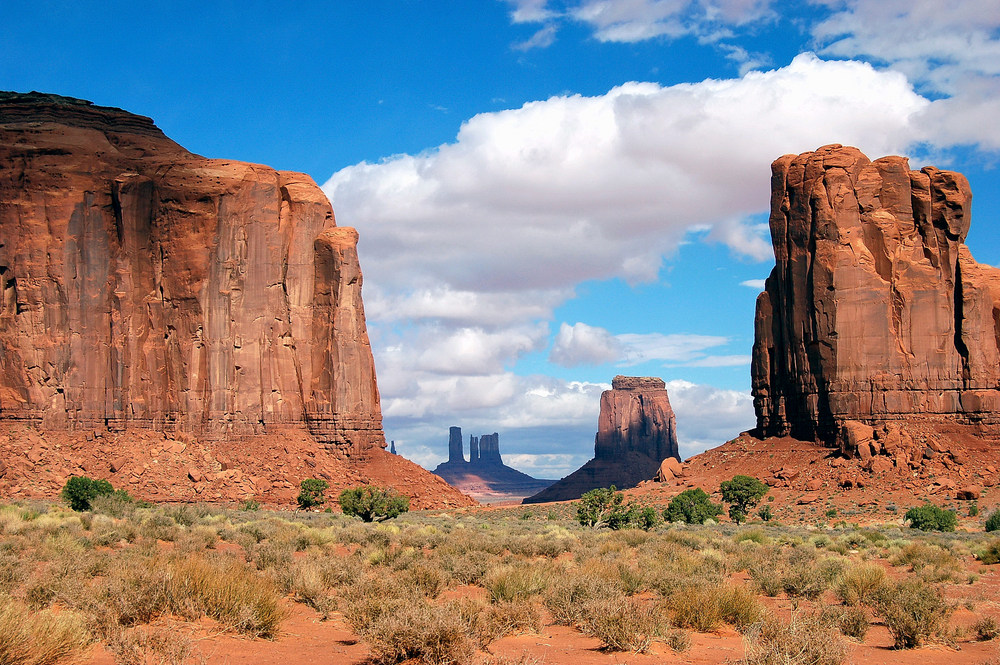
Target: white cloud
x: 543, y: 38
x: 469, y: 248
x: 531, y: 11
x: 708, y: 416
x: 755, y: 284
x: 581, y: 344
x: 953, y: 51
x: 638, y: 20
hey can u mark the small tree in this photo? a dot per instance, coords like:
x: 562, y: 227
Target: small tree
x: 692, y: 506
x: 79, y: 491
x: 599, y: 505
x: 742, y: 493
x: 312, y: 493
x: 372, y: 503
x: 929, y: 517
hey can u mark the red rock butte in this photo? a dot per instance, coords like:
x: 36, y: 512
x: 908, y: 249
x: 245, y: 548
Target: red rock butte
x: 145, y: 287
x: 875, y: 310
x: 636, y: 431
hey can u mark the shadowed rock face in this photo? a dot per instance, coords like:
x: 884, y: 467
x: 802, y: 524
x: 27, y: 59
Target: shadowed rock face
x: 637, y: 430
x: 875, y: 310
x: 143, y: 285
x: 485, y: 477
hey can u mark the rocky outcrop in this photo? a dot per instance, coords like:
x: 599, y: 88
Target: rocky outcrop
x: 637, y: 430
x: 485, y: 477
x: 145, y: 286
x: 875, y: 310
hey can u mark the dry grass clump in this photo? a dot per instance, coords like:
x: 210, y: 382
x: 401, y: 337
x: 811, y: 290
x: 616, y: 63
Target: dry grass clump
x: 986, y: 628
x: 623, y: 624
x: 913, y: 611
x: 569, y: 595
x: 490, y: 622
x: 135, y: 590
x: 229, y: 592
x: 39, y: 638
x: 852, y: 620
x: 434, y: 634
x: 805, y: 640
x: 516, y: 582
x: 930, y: 561
x: 696, y: 606
x: 148, y: 646
x: 861, y: 584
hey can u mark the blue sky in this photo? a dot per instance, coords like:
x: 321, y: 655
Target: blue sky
x: 548, y: 193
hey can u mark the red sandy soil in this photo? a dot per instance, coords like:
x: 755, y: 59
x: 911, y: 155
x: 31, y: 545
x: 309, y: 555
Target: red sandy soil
x: 806, y: 478
x: 162, y: 468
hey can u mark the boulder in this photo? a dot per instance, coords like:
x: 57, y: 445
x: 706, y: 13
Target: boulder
x: 969, y: 493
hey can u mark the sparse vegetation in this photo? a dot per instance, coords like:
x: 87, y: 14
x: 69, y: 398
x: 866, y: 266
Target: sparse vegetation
x: 439, y: 586
x: 79, y: 491
x: 993, y: 521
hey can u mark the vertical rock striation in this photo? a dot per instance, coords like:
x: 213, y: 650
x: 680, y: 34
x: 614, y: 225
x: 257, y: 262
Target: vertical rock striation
x: 143, y: 285
x: 637, y: 430
x: 875, y: 310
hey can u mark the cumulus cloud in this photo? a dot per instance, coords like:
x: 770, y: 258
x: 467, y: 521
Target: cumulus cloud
x: 580, y: 344
x: 708, y: 416
x: 954, y: 53
x: 469, y: 248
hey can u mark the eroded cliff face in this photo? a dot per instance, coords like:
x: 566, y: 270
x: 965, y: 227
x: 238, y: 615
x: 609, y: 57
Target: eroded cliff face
x: 636, y: 431
x: 875, y: 310
x: 146, y: 286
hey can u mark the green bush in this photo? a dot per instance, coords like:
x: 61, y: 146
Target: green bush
x: 742, y: 493
x: 692, y: 506
x: 372, y: 503
x: 312, y: 493
x: 80, y: 490
x: 929, y: 517
x: 993, y: 521
x: 765, y: 513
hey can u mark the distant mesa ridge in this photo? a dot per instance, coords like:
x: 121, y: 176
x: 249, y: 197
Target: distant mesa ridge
x: 875, y: 310
x: 484, y: 475
x: 636, y: 432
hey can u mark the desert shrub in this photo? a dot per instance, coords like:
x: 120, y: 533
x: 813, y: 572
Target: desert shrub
x: 305, y: 579
x: 742, y: 493
x: 12, y: 572
x: 497, y: 620
x: 696, y: 606
x: 148, y: 646
x: 39, y: 638
x: 229, y: 592
x: 990, y: 553
x: 134, y: 591
x: 692, y: 506
x: 805, y: 639
x: 912, y: 611
x: 568, y: 595
x: 986, y: 628
x: 622, y: 624
x: 766, y: 514
x: 311, y: 493
x: 929, y: 517
x: 805, y: 577
x: 739, y: 607
x: 861, y: 584
x: 79, y: 491
x: 678, y: 639
x: 434, y: 634
x: 373, y: 504
x: 993, y: 521
x: 851, y: 621
x: 509, y: 583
